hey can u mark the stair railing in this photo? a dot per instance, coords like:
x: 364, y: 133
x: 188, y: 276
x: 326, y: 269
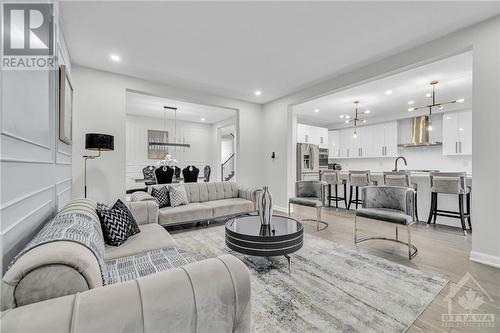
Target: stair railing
x: 225, y: 165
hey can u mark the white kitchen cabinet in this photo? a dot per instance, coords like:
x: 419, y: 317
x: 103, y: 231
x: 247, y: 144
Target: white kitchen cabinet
x: 312, y: 134
x: 457, y: 133
x: 390, y: 139
x: 322, y: 136
x: 333, y: 144
x: 378, y: 140
x: 346, y: 143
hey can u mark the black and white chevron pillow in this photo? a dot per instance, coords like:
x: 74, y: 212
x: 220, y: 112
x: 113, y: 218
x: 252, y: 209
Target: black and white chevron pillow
x: 117, y: 223
x: 161, y: 195
x: 178, y: 196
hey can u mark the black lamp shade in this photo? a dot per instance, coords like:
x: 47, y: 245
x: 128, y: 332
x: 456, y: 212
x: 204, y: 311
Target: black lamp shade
x: 96, y: 141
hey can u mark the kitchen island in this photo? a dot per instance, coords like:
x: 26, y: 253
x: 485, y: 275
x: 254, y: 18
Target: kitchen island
x: 422, y: 179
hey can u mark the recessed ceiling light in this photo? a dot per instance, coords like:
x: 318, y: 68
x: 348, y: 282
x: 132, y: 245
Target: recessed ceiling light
x: 316, y: 110
x: 428, y: 95
x: 388, y: 92
x: 202, y: 119
x: 347, y: 121
x: 411, y: 109
x: 348, y: 117
x: 258, y: 93
x: 367, y: 111
x: 364, y: 121
x: 114, y: 57
x: 410, y: 102
x: 461, y: 100
x: 341, y: 116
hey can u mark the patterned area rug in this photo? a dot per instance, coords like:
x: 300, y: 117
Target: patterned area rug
x: 330, y: 288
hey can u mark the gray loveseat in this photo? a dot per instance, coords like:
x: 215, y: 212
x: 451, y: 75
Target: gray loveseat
x: 58, y: 287
x: 206, y: 201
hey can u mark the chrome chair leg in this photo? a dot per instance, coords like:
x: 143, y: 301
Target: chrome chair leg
x: 318, y: 220
x: 412, y: 249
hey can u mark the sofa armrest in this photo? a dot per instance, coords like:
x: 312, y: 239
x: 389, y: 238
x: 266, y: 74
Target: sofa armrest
x: 142, y: 196
x: 212, y: 295
x: 144, y: 212
x: 250, y: 193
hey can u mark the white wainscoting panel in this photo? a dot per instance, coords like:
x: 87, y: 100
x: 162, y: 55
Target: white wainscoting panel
x: 35, y: 165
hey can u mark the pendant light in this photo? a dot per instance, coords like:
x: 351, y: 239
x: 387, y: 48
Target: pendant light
x: 356, y: 119
x: 439, y: 105
x: 174, y: 143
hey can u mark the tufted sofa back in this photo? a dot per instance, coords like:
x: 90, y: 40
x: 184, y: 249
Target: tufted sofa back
x: 201, y: 192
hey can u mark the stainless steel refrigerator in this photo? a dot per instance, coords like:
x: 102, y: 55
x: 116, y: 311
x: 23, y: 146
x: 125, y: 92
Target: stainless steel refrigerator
x: 307, y: 161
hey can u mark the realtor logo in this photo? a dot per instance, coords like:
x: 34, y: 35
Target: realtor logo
x: 464, y: 305
x: 27, y: 36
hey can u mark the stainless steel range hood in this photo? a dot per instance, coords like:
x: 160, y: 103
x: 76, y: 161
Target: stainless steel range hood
x: 420, y: 136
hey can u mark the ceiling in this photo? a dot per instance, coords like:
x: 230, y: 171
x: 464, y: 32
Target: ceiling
x: 235, y: 48
x: 455, y: 82
x: 152, y: 106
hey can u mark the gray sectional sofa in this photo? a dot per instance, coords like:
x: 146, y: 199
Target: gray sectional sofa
x: 58, y: 286
x: 206, y: 201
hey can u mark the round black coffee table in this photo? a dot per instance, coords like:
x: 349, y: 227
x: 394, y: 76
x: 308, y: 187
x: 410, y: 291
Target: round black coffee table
x: 245, y: 234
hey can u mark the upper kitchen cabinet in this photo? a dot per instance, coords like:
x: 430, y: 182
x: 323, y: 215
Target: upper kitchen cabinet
x: 457, y: 133
x: 312, y: 134
x: 378, y: 140
x: 333, y: 144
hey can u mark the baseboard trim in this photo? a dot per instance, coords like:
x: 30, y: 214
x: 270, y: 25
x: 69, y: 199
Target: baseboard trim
x: 280, y: 209
x: 486, y: 259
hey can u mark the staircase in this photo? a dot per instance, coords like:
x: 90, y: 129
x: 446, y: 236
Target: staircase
x: 228, y: 177
x: 227, y: 169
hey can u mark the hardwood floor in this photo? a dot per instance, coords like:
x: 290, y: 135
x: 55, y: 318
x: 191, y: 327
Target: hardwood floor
x: 442, y: 251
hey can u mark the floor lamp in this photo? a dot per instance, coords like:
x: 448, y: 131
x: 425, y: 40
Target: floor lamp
x: 99, y: 142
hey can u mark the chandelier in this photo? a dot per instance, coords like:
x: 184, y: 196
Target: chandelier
x: 439, y: 105
x: 356, y: 118
x: 174, y: 143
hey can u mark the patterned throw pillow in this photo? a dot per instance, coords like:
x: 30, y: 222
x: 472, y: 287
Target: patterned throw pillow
x: 134, y: 228
x: 161, y: 195
x: 117, y: 223
x: 178, y: 196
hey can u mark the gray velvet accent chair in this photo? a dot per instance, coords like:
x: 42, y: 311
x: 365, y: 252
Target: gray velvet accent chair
x: 392, y: 204
x: 402, y: 178
x: 451, y: 183
x: 310, y: 193
x: 357, y: 179
x: 332, y: 179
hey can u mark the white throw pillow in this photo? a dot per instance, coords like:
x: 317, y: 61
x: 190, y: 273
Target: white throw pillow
x: 178, y: 196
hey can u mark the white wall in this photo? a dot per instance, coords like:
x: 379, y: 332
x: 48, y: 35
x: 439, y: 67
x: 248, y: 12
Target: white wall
x: 198, y: 135
x: 100, y: 106
x: 484, y: 40
x: 35, y: 166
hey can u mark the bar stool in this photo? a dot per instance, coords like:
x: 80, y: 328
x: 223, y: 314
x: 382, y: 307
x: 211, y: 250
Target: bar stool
x: 357, y: 179
x: 332, y: 179
x: 401, y: 178
x: 450, y: 183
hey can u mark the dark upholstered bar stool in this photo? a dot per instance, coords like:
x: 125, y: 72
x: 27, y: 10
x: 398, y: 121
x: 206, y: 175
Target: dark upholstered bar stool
x: 332, y: 179
x: 357, y: 179
x: 450, y: 183
x: 401, y: 178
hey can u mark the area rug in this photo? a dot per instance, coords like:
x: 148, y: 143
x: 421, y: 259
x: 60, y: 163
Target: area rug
x: 330, y: 288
